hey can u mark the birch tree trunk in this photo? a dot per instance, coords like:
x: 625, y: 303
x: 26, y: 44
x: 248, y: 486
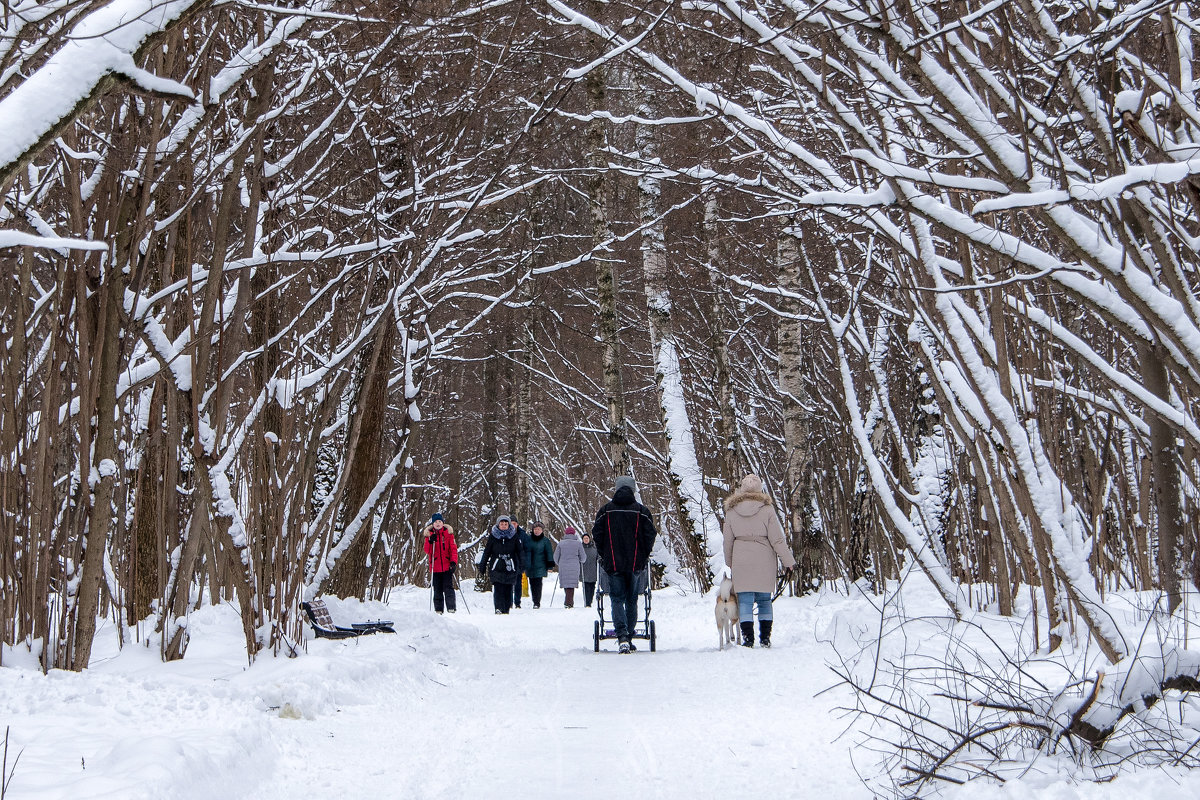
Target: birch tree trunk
x: 606, y: 279
x: 699, y: 530
x: 728, y: 436
x: 796, y: 423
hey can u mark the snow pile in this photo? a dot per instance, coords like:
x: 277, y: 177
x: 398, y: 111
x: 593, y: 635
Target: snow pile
x: 208, y: 726
x: 974, y: 703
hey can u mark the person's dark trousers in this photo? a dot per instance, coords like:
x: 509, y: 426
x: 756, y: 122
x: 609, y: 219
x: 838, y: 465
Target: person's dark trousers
x: 624, y: 604
x: 516, y: 591
x: 535, y: 591
x: 443, y: 591
x: 502, y: 596
x: 589, y: 591
x: 569, y: 597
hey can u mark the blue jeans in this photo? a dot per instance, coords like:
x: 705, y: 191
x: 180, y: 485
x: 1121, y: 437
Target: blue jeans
x: 746, y: 600
x: 622, y: 591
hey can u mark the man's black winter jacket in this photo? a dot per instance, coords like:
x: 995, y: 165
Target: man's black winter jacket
x: 624, y: 533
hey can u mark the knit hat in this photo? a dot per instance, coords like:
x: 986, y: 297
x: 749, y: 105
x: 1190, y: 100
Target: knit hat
x: 751, y: 483
x: 502, y: 518
x: 626, y: 481
x: 568, y: 531
x: 437, y: 517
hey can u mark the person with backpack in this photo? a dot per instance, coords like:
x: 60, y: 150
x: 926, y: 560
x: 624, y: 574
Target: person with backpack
x: 624, y: 533
x: 591, y: 569
x: 539, y: 563
x: 501, y: 558
x: 569, y: 556
x: 443, y: 561
x: 754, y: 546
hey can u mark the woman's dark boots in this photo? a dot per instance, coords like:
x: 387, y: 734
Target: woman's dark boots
x: 764, y: 632
x: 747, y: 634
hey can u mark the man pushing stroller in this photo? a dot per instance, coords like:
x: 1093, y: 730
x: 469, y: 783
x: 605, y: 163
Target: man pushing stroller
x: 624, y: 533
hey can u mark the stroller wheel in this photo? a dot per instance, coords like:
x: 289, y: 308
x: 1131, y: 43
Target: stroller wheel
x: 653, y: 636
x: 596, y: 637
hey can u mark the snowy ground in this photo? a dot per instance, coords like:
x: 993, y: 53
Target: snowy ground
x: 470, y: 705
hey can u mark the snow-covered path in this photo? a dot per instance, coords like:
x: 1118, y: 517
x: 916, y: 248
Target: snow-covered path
x: 475, y: 706
x: 528, y: 708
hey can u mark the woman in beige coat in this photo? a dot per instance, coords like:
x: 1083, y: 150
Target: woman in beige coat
x: 754, y: 545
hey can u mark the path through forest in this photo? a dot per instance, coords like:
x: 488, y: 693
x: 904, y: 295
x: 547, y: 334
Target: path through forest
x: 539, y: 714
x: 473, y: 706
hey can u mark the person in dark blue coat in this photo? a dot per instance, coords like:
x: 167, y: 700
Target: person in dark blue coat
x: 502, y: 558
x: 523, y: 539
x: 624, y: 533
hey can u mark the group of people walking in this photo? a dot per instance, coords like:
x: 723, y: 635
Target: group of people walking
x: 619, y: 543
x: 511, y: 553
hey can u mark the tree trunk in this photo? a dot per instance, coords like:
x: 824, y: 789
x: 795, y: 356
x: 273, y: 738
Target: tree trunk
x: 728, y: 436
x: 797, y: 433
x: 1164, y: 461
x: 103, y: 465
x: 490, y: 450
x: 147, y: 535
x: 700, y: 533
x: 522, y: 404
x: 349, y: 575
x: 597, y: 190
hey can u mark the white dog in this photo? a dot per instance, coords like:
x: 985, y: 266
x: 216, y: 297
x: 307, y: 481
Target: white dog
x: 726, y: 613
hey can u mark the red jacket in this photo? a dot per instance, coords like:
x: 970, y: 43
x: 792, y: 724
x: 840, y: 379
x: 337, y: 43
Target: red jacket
x: 441, y: 550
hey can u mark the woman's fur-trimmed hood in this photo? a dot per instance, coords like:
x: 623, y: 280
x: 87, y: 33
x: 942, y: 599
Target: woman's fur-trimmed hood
x: 445, y: 529
x: 742, y: 497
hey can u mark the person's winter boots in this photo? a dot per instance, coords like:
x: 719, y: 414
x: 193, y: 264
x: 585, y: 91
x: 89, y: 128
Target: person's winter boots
x: 747, y: 634
x: 623, y: 647
x: 764, y: 632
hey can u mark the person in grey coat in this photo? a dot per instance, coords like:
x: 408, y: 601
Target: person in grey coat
x: 591, y: 569
x: 754, y: 546
x: 569, y: 557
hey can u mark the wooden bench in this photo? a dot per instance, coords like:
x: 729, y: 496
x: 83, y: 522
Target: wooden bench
x: 322, y: 622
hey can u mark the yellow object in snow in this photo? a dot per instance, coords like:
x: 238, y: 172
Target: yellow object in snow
x: 524, y: 585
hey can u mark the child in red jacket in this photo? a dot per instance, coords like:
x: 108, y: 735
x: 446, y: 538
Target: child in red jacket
x: 443, y: 561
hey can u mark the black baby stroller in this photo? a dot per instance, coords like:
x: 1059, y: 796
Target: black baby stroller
x: 643, y: 627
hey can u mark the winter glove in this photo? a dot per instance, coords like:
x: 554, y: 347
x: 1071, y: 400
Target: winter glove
x: 453, y: 567
x: 726, y: 572
x: 788, y: 572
